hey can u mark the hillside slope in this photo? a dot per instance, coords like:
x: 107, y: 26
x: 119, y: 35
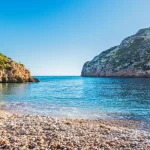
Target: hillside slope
x: 129, y: 59
x: 13, y: 72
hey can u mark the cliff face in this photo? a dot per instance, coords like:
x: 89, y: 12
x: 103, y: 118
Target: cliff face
x: 13, y: 72
x: 129, y: 59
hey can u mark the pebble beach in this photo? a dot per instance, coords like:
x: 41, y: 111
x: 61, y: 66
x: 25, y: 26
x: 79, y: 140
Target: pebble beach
x: 37, y: 132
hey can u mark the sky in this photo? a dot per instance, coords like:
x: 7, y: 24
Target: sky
x: 56, y: 37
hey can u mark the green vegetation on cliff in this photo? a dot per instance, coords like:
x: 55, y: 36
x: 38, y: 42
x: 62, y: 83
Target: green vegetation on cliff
x: 4, y: 62
x: 13, y: 72
x: 130, y: 58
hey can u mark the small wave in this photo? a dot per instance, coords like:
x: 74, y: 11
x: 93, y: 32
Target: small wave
x: 15, y: 106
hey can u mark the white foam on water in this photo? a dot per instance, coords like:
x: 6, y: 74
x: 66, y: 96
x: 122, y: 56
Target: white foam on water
x: 68, y: 112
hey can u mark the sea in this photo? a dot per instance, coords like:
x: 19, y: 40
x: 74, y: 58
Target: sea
x: 80, y: 97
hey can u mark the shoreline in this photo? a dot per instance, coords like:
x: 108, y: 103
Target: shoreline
x: 4, y: 113
x: 41, y: 132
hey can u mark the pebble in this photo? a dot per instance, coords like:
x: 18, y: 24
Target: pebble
x: 5, y: 142
x: 26, y: 132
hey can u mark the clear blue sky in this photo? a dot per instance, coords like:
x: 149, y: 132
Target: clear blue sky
x: 56, y: 37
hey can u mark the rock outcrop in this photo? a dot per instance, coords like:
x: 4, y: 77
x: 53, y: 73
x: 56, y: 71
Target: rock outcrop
x: 129, y: 59
x: 13, y: 72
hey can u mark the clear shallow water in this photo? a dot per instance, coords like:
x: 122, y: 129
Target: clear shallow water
x: 78, y: 97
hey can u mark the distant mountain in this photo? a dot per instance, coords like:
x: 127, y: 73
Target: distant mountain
x: 129, y: 59
x: 13, y: 72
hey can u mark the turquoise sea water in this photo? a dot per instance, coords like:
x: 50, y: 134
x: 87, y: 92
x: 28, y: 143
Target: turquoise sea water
x: 80, y: 97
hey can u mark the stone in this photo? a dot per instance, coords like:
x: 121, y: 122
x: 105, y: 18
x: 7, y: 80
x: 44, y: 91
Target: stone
x: 5, y: 142
x: 32, y: 145
x: 31, y: 79
x: 12, y: 80
x: 20, y: 80
x: 4, y: 79
x: 36, y: 80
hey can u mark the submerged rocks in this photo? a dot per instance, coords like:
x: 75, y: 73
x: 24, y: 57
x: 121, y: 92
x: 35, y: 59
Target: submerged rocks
x: 13, y: 72
x: 129, y: 59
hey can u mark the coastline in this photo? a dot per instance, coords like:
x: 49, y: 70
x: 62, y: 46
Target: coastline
x: 4, y: 113
x: 41, y: 132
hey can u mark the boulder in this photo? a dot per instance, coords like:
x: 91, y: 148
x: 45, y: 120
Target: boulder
x: 36, y: 80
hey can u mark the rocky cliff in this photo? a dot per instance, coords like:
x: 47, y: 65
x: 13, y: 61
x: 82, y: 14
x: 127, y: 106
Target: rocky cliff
x: 13, y: 72
x: 129, y: 59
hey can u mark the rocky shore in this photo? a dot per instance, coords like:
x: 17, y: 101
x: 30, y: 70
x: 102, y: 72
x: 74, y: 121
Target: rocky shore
x: 13, y: 72
x: 131, y: 58
x: 26, y: 132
